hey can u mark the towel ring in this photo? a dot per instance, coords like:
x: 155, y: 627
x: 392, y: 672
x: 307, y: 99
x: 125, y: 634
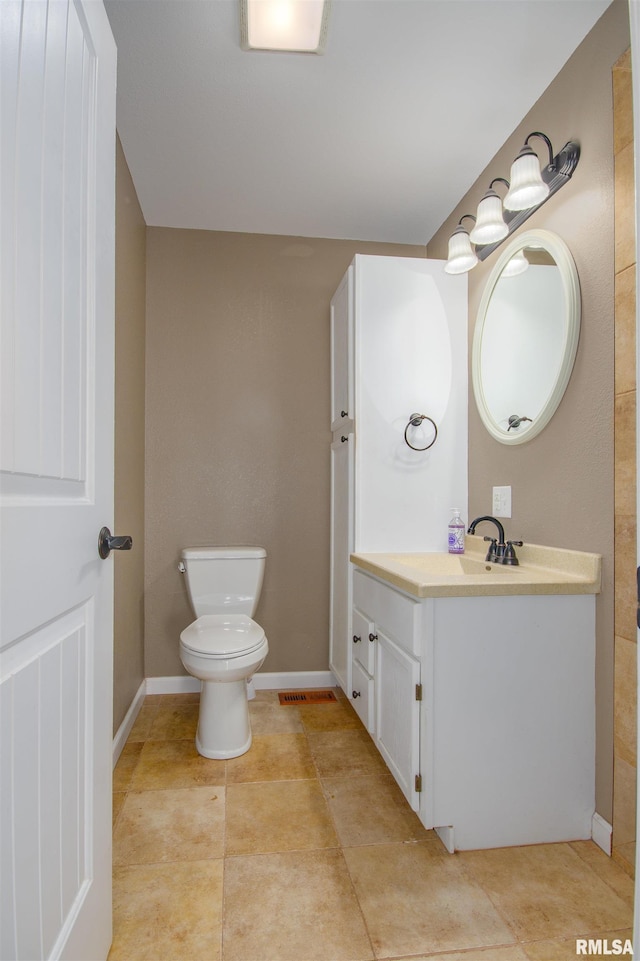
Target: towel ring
x: 414, y: 421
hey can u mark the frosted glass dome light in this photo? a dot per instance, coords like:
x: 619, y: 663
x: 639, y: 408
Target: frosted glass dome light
x: 461, y: 257
x: 528, y: 189
x: 489, y: 227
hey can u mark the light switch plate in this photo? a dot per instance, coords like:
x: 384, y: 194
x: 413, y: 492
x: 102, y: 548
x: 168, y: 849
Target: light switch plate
x: 502, y: 502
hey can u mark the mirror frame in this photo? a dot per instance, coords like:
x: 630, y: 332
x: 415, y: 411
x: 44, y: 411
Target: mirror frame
x: 572, y: 304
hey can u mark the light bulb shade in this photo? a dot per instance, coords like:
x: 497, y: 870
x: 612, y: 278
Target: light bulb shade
x: 517, y: 265
x: 527, y: 189
x: 286, y: 25
x: 461, y: 257
x: 489, y: 227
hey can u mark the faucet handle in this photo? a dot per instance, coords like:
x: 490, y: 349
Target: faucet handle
x: 510, y: 554
x: 492, y: 552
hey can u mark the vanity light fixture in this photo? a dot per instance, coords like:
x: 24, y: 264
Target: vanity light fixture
x: 293, y: 26
x: 490, y: 225
x: 530, y: 187
x: 462, y: 257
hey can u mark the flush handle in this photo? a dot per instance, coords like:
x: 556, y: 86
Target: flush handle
x: 108, y: 542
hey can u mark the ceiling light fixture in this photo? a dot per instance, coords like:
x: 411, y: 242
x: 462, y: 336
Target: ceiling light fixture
x: 293, y: 26
x: 530, y: 187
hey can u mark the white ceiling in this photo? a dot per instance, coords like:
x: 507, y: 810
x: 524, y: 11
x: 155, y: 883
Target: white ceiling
x: 378, y: 139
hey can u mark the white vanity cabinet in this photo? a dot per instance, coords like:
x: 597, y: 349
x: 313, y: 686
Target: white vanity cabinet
x: 386, y: 676
x: 398, y: 347
x: 483, y: 709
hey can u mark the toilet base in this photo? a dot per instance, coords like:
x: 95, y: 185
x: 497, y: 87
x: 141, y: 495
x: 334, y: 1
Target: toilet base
x: 221, y: 755
x: 224, y: 729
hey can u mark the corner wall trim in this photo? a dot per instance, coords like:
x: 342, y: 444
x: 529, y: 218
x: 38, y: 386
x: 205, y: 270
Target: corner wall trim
x: 129, y: 720
x: 601, y: 832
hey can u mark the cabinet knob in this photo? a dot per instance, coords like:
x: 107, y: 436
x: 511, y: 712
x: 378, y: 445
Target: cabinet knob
x: 344, y: 439
x: 355, y: 694
x: 356, y: 638
x: 373, y: 637
x: 344, y: 413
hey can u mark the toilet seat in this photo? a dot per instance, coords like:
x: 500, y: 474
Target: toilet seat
x: 222, y: 636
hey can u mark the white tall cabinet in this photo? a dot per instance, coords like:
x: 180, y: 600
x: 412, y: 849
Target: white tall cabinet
x: 399, y: 347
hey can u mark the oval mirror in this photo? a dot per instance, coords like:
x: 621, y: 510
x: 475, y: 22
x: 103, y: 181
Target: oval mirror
x: 526, y: 336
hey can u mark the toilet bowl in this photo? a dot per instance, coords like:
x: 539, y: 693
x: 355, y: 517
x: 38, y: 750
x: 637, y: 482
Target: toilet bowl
x: 223, y: 647
x: 223, y: 651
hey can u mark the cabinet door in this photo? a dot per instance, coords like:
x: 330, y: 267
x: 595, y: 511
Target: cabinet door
x: 362, y: 688
x: 340, y: 642
x: 342, y: 412
x: 363, y: 638
x: 397, y: 718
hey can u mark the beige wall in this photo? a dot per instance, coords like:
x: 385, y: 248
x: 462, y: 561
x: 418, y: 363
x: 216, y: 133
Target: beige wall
x: 238, y: 437
x: 129, y: 441
x: 562, y: 480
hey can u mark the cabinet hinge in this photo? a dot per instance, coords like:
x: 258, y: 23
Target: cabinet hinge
x: 418, y: 692
x: 418, y: 783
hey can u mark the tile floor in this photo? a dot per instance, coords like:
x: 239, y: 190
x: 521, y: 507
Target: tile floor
x: 304, y: 849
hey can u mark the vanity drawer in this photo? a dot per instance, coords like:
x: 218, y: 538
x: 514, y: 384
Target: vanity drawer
x: 362, y: 694
x: 392, y: 612
x: 363, y: 638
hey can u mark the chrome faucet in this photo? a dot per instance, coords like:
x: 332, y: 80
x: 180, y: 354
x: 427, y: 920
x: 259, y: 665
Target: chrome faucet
x: 499, y: 552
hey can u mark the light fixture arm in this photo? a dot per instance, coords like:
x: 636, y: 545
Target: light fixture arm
x: 499, y: 180
x: 536, y: 133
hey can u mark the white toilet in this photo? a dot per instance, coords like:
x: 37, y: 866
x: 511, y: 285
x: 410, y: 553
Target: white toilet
x: 224, y: 646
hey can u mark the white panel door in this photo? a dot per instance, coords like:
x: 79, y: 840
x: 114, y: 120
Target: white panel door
x: 58, y: 78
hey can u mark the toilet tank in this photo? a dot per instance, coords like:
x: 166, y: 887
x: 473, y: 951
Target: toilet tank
x: 224, y: 580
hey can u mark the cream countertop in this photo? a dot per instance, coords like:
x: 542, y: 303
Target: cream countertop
x: 542, y: 570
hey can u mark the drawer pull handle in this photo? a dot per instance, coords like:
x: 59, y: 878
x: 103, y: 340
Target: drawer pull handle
x: 355, y: 694
x: 356, y: 638
x: 373, y: 637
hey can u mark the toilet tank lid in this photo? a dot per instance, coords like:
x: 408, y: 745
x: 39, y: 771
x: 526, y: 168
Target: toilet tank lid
x: 207, y: 553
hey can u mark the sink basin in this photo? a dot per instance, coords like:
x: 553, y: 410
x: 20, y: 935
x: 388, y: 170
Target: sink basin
x: 458, y: 565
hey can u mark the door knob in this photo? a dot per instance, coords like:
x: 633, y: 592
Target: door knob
x: 108, y: 542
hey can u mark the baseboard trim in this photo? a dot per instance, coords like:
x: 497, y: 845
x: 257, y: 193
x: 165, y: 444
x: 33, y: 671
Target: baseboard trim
x: 129, y: 720
x: 601, y: 832
x: 300, y: 680
x: 262, y: 681
x: 182, y: 684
